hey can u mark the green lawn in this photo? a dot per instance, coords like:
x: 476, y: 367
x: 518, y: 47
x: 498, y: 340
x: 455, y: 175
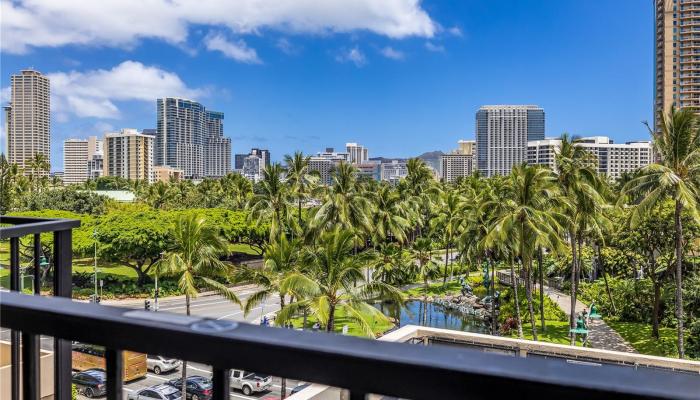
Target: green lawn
x: 639, y: 336
x: 435, y: 289
x: 380, y: 325
x: 243, y: 248
x: 557, y: 332
x: 85, y: 265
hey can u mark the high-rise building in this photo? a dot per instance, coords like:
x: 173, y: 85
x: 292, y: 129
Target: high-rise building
x: 459, y: 162
x: 676, y: 47
x: 238, y: 162
x: 253, y: 168
x: 502, y: 133
x: 96, y: 166
x: 394, y: 171
x: 191, y: 138
x: 129, y: 154
x: 612, y: 159
x: 163, y: 173
x: 325, y: 162
x: 357, y: 154
x: 28, y: 118
x: 264, y: 155
x: 81, y: 159
x: 75, y: 161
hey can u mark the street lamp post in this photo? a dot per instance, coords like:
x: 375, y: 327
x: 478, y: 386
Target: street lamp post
x: 94, y: 235
x: 155, y: 302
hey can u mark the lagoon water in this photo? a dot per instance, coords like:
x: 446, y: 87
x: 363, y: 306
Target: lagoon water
x: 437, y: 316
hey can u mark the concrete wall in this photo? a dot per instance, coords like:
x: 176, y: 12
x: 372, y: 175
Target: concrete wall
x: 46, y: 371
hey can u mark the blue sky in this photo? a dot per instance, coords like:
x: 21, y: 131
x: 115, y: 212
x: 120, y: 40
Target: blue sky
x: 399, y: 76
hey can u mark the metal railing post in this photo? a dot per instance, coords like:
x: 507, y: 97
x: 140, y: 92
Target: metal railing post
x: 37, y: 263
x: 221, y: 379
x: 14, y: 335
x: 31, y: 364
x: 62, y: 287
x: 115, y: 374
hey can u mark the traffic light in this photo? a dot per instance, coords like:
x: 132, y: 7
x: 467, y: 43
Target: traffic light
x: 147, y: 305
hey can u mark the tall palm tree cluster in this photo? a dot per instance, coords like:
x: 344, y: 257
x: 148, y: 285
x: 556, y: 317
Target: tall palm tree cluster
x: 16, y: 182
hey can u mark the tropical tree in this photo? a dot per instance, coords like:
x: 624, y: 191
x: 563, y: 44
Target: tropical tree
x: 271, y: 203
x: 344, y: 204
x: 302, y: 182
x: 281, y: 259
x: 194, y: 259
x: 676, y: 176
x: 448, y: 220
x: 332, y: 280
x: 579, y: 182
x: 530, y: 215
x: 39, y: 167
x: 425, y: 266
x: 391, y: 265
x: 390, y: 214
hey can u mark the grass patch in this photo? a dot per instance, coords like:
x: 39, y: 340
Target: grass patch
x: 86, y: 265
x: 557, y: 332
x: 639, y: 336
x: 380, y: 325
x: 243, y: 248
x: 435, y: 289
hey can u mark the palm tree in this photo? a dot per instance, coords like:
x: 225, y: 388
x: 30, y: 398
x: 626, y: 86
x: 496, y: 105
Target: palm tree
x: 39, y: 166
x: 300, y: 179
x: 390, y: 265
x: 271, y: 203
x: 530, y: 215
x: 390, y: 214
x: 578, y: 182
x: 677, y: 176
x: 344, y: 205
x: 281, y: 259
x: 194, y: 258
x: 420, y: 188
x: 333, y: 280
x: 426, y: 267
x: 159, y: 194
x: 448, y: 220
x: 237, y: 189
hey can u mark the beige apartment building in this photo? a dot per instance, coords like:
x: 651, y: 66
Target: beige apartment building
x: 613, y: 159
x: 79, y: 158
x: 28, y: 118
x: 460, y: 162
x: 677, y: 55
x: 163, y: 173
x: 129, y: 154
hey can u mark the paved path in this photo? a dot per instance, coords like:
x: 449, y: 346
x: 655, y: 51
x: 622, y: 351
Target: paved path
x: 600, y: 336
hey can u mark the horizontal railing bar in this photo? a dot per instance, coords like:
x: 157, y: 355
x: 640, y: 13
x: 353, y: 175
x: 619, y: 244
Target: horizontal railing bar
x: 23, y: 226
x: 362, y: 366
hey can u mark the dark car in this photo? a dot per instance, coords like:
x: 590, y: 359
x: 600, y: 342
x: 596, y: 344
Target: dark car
x: 198, y: 387
x: 91, y: 382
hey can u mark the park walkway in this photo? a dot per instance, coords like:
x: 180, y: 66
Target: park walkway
x: 601, y: 336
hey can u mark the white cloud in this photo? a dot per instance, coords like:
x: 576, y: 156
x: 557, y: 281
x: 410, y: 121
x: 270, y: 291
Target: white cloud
x: 391, y: 53
x: 455, y: 31
x: 237, y: 50
x: 123, y: 23
x: 438, y: 48
x: 354, y: 55
x: 94, y: 93
x: 286, y: 46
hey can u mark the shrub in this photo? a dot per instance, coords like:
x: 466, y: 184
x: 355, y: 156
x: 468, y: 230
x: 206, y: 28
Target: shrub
x: 552, y: 312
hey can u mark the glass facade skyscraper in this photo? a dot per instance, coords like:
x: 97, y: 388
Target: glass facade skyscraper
x: 190, y: 138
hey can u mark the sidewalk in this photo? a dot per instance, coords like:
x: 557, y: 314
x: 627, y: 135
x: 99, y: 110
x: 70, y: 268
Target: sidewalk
x: 600, y: 336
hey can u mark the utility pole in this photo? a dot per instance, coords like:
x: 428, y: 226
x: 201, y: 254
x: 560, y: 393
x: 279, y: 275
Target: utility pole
x: 94, y: 235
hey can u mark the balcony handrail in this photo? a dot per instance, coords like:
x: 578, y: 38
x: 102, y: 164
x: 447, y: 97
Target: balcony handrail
x: 360, y: 365
x: 23, y: 226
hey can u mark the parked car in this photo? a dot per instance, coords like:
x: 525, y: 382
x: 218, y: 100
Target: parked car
x: 301, y: 386
x: 157, y: 392
x: 160, y: 364
x: 250, y: 382
x: 198, y: 387
x: 91, y: 382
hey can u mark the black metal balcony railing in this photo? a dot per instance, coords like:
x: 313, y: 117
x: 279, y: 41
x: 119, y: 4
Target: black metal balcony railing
x: 359, y: 365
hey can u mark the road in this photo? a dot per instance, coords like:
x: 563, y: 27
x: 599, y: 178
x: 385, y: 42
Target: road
x: 209, y: 306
